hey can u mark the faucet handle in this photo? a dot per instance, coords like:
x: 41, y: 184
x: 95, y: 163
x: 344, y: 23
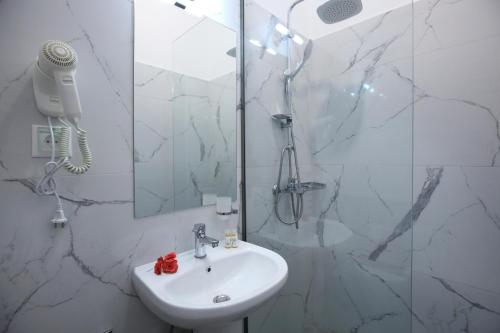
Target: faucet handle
x: 199, y: 227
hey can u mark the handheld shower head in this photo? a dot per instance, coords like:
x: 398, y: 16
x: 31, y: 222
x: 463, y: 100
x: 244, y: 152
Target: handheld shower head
x: 307, y: 51
x: 307, y: 54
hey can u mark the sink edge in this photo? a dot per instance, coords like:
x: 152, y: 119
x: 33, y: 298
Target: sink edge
x: 192, y: 318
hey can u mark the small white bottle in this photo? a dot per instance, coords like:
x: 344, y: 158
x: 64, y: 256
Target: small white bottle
x: 228, y: 239
x: 234, y: 238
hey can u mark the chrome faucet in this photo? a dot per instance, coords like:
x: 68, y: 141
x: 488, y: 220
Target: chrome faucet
x: 200, y: 239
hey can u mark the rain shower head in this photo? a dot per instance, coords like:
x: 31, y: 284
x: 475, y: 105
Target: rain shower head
x: 334, y: 11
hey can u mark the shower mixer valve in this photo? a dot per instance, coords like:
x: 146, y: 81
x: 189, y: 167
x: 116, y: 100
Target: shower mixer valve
x: 293, y: 186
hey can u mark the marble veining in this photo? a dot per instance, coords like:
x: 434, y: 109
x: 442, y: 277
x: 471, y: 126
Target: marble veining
x: 78, y: 278
x: 404, y: 132
x: 79, y: 203
x: 472, y: 303
x: 430, y: 185
x: 105, y: 67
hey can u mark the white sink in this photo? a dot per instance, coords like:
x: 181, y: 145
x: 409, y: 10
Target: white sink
x: 249, y: 275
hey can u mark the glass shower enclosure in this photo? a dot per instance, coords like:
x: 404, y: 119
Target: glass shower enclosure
x: 350, y: 105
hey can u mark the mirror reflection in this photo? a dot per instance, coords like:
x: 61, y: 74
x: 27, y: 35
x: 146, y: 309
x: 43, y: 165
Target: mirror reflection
x: 184, y: 105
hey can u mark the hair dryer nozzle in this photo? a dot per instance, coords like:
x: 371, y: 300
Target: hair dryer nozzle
x: 56, y: 55
x: 54, y: 81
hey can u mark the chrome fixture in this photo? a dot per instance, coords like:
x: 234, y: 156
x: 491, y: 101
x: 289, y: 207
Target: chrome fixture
x: 307, y: 53
x: 312, y: 186
x: 293, y: 185
x: 329, y: 11
x: 284, y: 119
x: 334, y: 11
x: 200, y: 239
x: 221, y: 298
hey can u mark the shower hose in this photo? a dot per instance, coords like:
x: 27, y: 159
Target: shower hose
x: 293, y: 188
x: 297, y: 208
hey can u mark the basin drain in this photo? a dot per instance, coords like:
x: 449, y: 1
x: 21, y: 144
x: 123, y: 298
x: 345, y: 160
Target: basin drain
x: 221, y: 298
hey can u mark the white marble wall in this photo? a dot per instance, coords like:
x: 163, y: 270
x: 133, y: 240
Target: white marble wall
x: 431, y: 137
x: 76, y: 279
x: 456, y: 286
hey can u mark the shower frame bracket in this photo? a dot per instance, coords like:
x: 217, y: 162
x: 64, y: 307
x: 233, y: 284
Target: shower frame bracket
x: 284, y: 119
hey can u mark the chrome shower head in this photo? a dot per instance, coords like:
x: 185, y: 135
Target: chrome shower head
x: 334, y: 11
x: 307, y: 51
x: 307, y: 54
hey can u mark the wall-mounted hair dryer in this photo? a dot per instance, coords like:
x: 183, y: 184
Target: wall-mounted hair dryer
x: 56, y: 95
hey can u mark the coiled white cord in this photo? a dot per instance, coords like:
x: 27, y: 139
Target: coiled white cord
x: 47, y: 185
x: 82, y: 144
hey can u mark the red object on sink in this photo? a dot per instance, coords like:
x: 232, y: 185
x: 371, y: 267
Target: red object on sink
x: 170, y: 266
x: 170, y: 255
x: 167, y: 264
x: 158, y: 268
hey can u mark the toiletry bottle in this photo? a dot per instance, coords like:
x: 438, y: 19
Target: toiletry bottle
x: 234, y: 239
x: 228, y: 242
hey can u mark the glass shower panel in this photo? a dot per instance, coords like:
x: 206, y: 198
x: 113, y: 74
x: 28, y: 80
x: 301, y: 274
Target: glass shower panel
x: 350, y: 257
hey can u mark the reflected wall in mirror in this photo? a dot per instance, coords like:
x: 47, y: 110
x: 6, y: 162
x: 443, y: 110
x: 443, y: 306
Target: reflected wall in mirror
x: 184, y: 104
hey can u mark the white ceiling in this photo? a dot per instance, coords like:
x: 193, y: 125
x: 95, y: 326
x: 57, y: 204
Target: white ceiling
x: 162, y: 30
x: 305, y: 20
x: 201, y: 52
x: 158, y: 24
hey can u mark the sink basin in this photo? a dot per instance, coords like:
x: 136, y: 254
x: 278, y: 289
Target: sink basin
x: 221, y: 288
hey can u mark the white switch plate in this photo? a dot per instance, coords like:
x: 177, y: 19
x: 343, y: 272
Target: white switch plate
x: 40, y: 141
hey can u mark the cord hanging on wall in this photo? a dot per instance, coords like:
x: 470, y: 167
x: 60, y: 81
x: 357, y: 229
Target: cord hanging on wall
x: 56, y: 96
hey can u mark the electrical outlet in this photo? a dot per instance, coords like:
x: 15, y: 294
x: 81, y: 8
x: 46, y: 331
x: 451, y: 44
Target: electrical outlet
x: 40, y: 141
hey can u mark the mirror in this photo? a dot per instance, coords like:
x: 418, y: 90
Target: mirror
x: 184, y: 104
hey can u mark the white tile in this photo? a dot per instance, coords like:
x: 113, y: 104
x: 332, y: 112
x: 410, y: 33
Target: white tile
x: 457, y: 236
x: 456, y: 111
x: 441, y: 305
x: 442, y: 24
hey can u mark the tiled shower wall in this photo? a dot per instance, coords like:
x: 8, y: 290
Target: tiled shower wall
x: 353, y: 133
x: 76, y: 279
x: 456, y: 284
x: 403, y: 106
